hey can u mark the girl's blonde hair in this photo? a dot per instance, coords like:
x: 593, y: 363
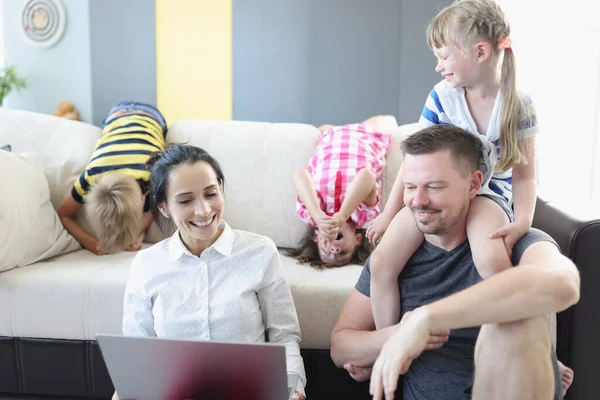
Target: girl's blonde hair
x: 114, y: 205
x: 466, y: 22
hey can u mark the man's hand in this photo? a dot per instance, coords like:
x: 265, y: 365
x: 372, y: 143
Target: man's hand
x: 398, y: 352
x: 298, y: 396
x: 511, y: 234
x: 359, y: 374
x: 377, y: 227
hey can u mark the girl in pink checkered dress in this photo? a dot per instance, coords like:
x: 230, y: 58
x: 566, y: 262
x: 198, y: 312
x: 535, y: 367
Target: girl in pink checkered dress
x: 339, y: 192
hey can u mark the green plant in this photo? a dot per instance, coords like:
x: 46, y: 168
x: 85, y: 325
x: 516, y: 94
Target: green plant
x: 9, y: 81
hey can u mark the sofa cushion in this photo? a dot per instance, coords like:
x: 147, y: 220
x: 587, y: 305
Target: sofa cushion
x: 31, y: 230
x: 77, y: 295
x: 63, y: 146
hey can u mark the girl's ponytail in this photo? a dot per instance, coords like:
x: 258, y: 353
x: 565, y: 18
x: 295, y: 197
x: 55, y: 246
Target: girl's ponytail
x: 512, y: 112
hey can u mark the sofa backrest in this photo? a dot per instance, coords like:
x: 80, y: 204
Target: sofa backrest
x: 258, y: 160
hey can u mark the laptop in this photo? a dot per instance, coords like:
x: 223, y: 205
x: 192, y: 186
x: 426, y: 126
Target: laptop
x: 150, y: 368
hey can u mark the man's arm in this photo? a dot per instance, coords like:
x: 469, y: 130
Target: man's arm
x: 544, y: 282
x: 354, y: 339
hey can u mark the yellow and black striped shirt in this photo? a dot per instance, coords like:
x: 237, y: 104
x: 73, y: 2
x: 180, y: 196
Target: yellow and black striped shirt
x: 124, y: 147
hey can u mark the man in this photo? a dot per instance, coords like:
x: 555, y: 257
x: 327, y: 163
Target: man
x: 441, y: 290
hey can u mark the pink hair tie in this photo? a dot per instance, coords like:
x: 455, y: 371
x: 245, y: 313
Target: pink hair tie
x: 505, y: 43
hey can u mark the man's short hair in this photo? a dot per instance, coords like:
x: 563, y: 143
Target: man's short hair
x: 466, y: 149
x: 114, y: 205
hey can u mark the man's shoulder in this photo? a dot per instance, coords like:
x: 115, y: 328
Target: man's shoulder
x: 530, y: 237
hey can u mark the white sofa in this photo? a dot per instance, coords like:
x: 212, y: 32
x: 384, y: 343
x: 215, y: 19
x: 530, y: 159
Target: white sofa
x: 54, y: 308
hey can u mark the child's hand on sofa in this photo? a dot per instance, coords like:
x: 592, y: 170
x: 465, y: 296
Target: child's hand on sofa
x: 96, y: 248
x: 134, y: 246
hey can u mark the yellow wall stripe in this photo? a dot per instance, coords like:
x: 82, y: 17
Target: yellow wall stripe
x: 194, y: 59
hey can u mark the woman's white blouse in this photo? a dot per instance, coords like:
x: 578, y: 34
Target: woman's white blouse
x: 235, y: 291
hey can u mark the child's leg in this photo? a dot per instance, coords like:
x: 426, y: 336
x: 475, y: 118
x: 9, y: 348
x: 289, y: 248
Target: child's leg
x: 382, y: 123
x: 400, y: 241
x: 489, y: 255
x: 325, y: 127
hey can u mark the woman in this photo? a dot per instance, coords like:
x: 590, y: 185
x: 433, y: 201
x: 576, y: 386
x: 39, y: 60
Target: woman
x: 207, y: 281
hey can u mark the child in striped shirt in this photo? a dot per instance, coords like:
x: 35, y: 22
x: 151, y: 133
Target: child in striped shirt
x: 339, y: 191
x: 115, y: 183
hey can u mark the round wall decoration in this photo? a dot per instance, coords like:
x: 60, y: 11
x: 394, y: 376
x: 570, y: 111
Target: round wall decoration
x: 43, y: 22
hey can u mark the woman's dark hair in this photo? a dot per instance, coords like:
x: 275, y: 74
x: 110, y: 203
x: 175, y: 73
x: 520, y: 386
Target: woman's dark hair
x: 162, y: 163
x: 308, y: 251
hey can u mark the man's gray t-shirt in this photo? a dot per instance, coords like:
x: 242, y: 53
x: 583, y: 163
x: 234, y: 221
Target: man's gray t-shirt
x: 431, y: 274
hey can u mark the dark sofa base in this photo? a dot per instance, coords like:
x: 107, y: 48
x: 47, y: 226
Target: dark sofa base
x: 76, y: 368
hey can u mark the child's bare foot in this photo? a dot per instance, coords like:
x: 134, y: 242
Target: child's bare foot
x: 325, y: 128
x: 566, y: 375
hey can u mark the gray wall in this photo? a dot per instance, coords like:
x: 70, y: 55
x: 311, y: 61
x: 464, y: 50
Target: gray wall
x: 417, y: 62
x: 59, y: 73
x: 123, y: 56
x: 333, y: 61
x: 107, y: 54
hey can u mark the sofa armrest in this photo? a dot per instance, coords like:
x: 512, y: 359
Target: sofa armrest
x: 576, y: 228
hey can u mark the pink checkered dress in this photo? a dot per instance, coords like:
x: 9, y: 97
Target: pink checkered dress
x: 342, y: 151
